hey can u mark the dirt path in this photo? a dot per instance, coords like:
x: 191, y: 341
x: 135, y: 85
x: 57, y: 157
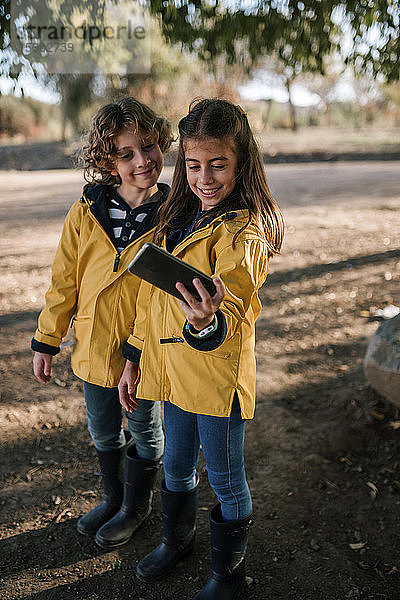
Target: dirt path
x: 323, y: 456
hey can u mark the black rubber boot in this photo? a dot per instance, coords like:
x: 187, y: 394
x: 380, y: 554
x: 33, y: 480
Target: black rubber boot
x: 110, y: 463
x: 179, y: 519
x: 228, y: 549
x: 140, y: 475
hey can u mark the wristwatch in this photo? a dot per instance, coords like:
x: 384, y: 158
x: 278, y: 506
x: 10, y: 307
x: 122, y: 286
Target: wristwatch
x: 203, y: 332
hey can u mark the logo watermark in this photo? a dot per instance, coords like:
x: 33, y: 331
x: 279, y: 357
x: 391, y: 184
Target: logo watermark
x: 107, y: 36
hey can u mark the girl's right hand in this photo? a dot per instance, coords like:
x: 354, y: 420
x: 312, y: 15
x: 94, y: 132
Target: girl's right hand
x: 200, y: 313
x: 127, y: 386
x: 42, y: 366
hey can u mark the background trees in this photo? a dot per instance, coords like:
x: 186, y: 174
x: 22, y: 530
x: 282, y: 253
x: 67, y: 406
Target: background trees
x: 215, y: 43
x: 302, y: 34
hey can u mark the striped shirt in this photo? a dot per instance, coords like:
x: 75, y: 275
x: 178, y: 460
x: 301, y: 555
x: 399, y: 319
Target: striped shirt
x: 127, y: 222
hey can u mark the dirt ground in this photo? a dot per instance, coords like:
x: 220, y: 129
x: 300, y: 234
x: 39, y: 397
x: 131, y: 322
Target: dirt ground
x: 322, y: 454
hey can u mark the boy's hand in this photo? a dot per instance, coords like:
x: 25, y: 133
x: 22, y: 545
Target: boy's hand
x: 201, y: 314
x: 42, y: 366
x: 127, y: 386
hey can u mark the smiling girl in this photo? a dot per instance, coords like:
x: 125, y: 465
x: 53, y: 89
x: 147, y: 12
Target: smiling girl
x: 198, y: 356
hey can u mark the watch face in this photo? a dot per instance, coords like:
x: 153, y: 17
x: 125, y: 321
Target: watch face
x: 203, y: 332
x: 206, y: 330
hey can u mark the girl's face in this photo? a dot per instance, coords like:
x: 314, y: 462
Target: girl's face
x: 211, y: 167
x: 139, y: 160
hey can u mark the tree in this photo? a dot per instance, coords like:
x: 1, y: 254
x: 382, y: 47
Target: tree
x: 298, y: 35
x: 36, y: 38
x: 13, y: 56
x: 302, y: 33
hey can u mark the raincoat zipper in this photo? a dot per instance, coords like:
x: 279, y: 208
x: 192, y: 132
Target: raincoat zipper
x: 118, y: 254
x: 172, y: 340
x: 116, y: 262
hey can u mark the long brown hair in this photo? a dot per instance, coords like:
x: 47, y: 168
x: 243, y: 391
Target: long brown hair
x: 98, y: 152
x: 220, y: 119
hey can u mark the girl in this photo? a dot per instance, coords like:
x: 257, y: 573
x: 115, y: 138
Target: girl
x: 122, y: 158
x: 221, y: 218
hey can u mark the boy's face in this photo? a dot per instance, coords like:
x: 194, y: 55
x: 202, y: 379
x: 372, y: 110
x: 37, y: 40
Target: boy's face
x: 139, y: 160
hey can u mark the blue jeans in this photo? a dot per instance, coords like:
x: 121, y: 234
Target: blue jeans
x: 104, y: 413
x: 222, y: 440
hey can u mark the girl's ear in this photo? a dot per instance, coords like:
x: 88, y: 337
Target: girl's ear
x: 114, y: 172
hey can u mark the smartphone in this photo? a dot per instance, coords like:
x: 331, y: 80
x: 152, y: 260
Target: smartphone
x: 163, y: 270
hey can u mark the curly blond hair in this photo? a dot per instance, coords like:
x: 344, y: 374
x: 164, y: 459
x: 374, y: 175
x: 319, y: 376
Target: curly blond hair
x: 98, y: 152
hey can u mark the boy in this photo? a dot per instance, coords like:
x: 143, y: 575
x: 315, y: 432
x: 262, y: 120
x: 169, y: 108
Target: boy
x: 122, y: 158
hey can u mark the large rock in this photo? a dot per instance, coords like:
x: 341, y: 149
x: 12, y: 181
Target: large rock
x: 382, y: 360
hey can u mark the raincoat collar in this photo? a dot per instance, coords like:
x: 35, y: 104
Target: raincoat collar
x: 96, y: 197
x: 205, y: 230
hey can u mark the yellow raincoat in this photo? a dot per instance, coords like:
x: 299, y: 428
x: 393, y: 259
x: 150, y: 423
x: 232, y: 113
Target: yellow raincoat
x: 84, y: 284
x: 199, y: 381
